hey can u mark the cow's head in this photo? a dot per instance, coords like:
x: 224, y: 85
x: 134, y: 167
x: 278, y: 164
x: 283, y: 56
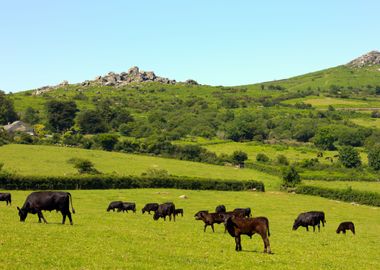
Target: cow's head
x: 296, y: 224
x: 156, y: 215
x: 22, y: 213
x: 199, y: 215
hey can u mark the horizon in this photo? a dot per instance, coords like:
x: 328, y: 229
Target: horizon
x: 215, y: 44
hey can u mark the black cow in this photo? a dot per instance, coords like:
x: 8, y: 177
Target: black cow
x: 164, y: 210
x: 150, y: 207
x: 344, y: 226
x: 178, y: 211
x: 246, y: 212
x: 115, y: 205
x: 312, y: 218
x: 6, y: 197
x: 47, y: 200
x: 220, y: 209
x: 128, y: 206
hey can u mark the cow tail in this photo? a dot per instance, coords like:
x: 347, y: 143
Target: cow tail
x: 71, y: 201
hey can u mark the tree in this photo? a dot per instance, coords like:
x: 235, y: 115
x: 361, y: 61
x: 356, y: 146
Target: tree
x: 106, y: 141
x: 262, y: 157
x: 83, y: 166
x: 374, y: 157
x: 238, y: 158
x: 7, y: 111
x: 122, y: 117
x: 31, y: 116
x: 91, y: 122
x: 290, y: 177
x: 349, y: 157
x: 325, y: 139
x: 61, y: 114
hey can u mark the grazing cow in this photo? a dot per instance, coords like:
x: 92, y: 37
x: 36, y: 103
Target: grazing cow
x: 6, y: 197
x: 166, y: 209
x: 312, y: 218
x: 220, y: 209
x: 246, y: 212
x: 344, y: 226
x: 128, y: 206
x: 178, y: 211
x: 47, y: 200
x: 209, y: 219
x: 237, y: 226
x: 115, y: 205
x: 150, y: 207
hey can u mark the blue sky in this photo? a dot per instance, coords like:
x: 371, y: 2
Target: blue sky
x: 214, y: 42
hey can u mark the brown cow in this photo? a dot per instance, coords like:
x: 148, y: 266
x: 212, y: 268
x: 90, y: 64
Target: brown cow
x: 236, y: 226
x: 209, y: 219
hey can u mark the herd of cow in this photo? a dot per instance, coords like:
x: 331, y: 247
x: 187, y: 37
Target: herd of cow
x: 237, y: 222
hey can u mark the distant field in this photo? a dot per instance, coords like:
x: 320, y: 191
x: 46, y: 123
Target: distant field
x: 367, y: 122
x: 324, y: 102
x: 361, y: 186
x: 50, y: 160
x: 101, y: 240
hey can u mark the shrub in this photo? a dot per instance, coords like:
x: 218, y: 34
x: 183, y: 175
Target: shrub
x: 349, y: 157
x: 106, y: 141
x: 83, y: 165
x: 325, y: 139
x: 238, y: 158
x: 156, y: 173
x: 290, y: 177
x: 374, y: 157
x: 260, y: 157
x: 281, y: 159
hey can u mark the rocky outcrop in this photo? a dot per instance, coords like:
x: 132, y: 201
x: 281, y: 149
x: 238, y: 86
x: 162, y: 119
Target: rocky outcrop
x: 369, y: 59
x: 45, y: 89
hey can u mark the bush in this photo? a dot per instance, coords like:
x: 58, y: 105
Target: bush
x: 325, y: 139
x: 374, y: 157
x: 9, y: 182
x: 347, y: 195
x: 238, y: 158
x: 260, y: 157
x: 281, y: 159
x: 349, y: 157
x: 106, y: 141
x: 156, y: 173
x: 83, y: 165
x: 290, y: 177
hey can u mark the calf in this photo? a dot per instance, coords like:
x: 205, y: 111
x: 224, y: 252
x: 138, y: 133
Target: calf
x: 344, y: 226
x: 47, y: 200
x: 150, y: 207
x: 237, y: 226
x: 128, y: 206
x: 209, y: 219
x: 220, y: 209
x: 164, y: 210
x: 115, y: 205
x: 246, y: 212
x: 6, y: 197
x: 312, y: 218
x: 178, y: 211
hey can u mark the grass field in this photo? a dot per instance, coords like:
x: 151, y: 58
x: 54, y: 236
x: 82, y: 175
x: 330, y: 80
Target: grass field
x: 50, y: 160
x: 367, y: 122
x: 361, y: 186
x: 101, y: 240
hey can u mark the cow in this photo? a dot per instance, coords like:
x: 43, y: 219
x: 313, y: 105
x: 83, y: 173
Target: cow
x: 209, y: 219
x: 237, y: 226
x: 6, y: 197
x: 220, y: 209
x: 178, y: 211
x: 125, y: 206
x: 344, y: 226
x: 246, y: 212
x: 150, y: 207
x: 164, y: 210
x: 115, y: 205
x: 47, y: 200
x: 312, y: 218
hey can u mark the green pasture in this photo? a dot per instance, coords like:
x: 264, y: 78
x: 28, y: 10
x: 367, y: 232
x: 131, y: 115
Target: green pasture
x: 51, y: 160
x: 367, y: 122
x: 111, y: 240
x: 360, y: 186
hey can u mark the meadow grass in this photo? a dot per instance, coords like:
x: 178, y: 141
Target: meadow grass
x: 111, y: 240
x: 360, y: 186
x: 52, y: 160
x: 367, y: 122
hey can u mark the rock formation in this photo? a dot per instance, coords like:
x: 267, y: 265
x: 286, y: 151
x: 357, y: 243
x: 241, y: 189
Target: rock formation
x: 369, y: 59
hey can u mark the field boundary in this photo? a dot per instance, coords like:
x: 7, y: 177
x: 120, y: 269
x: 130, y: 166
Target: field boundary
x: 13, y: 181
x: 347, y: 195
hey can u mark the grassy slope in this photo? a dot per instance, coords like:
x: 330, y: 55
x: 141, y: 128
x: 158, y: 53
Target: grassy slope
x: 362, y: 186
x: 50, y: 160
x: 104, y: 240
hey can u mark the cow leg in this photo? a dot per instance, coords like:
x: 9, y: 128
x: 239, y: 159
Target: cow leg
x: 69, y: 216
x: 212, y: 227
x: 39, y: 217
x: 239, y: 242
x: 174, y: 216
x: 344, y: 231
x: 204, y: 230
x: 236, y: 243
x: 319, y: 227
x: 307, y: 228
x: 42, y: 216
x: 266, y: 243
x: 313, y: 228
x: 63, y: 218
